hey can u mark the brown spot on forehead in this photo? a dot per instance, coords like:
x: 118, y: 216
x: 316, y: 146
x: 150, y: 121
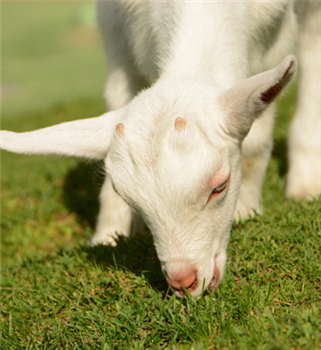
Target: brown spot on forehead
x: 180, y: 124
x: 120, y: 129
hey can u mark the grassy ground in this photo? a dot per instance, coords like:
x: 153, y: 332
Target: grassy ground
x: 59, y: 293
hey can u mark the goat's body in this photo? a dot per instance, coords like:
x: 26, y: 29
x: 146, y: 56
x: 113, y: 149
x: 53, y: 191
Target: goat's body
x: 225, y: 42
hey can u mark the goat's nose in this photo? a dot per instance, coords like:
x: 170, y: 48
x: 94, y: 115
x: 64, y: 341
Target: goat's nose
x: 185, y: 278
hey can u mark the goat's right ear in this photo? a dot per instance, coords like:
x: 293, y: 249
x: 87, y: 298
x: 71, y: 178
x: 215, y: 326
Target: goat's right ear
x: 246, y: 101
x: 84, y: 138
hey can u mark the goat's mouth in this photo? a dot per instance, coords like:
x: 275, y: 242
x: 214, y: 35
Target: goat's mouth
x: 190, y: 282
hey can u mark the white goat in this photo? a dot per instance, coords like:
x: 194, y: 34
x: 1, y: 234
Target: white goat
x: 184, y: 154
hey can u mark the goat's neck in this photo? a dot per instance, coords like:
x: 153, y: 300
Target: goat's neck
x: 213, y: 49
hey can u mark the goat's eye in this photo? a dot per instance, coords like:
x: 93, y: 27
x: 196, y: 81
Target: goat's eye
x: 218, y: 189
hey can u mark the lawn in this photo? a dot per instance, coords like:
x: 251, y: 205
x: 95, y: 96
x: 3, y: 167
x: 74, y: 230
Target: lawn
x: 57, y: 292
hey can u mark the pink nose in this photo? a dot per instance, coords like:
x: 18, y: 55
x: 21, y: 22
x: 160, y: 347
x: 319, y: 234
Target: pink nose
x: 185, y: 278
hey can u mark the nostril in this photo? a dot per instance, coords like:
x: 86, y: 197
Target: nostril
x: 186, y: 279
x: 192, y: 284
x: 216, y: 277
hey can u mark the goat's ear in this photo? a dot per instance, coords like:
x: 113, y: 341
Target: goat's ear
x: 84, y: 138
x: 246, y: 101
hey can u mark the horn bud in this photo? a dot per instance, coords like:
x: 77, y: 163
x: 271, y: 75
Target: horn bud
x: 120, y: 129
x: 180, y: 124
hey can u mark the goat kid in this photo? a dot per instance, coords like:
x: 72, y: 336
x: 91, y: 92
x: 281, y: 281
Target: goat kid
x: 189, y: 153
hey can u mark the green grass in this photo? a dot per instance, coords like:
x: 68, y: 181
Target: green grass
x: 59, y: 293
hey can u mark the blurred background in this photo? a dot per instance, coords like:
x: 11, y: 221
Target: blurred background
x: 51, y: 54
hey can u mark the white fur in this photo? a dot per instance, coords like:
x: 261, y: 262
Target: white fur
x: 206, y: 59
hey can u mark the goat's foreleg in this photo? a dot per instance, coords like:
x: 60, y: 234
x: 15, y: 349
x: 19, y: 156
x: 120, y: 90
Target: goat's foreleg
x: 256, y: 151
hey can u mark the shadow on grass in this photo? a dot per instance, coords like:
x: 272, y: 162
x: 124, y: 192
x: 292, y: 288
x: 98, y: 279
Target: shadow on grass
x: 136, y: 254
x: 285, y: 110
x: 280, y: 151
x: 81, y: 190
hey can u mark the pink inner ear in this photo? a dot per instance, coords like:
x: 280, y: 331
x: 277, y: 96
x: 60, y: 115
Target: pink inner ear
x: 219, y: 178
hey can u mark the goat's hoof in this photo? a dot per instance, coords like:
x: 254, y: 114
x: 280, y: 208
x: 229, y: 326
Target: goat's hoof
x: 304, y: 179
x: 109, y: 239
x: 245, y: 213
x: 303, y: 192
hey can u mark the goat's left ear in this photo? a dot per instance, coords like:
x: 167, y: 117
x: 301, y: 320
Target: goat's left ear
x: 84, y: 138
x: 246, y: 101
